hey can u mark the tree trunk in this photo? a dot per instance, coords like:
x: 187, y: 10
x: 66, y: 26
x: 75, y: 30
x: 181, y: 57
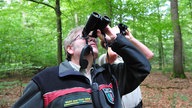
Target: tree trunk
x: 178, y: 70
x: 160, y: 42
x: 59, y: 27
x: 59, y: 31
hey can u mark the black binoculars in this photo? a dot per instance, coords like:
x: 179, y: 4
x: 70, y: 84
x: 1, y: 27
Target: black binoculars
x: 122, y: 28
x: 95, y: 21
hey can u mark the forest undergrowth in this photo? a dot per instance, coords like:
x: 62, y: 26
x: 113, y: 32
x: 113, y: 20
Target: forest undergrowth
x: 158, y: 91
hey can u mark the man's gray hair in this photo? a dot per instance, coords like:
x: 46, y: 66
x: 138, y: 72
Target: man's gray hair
x: 70, y: 37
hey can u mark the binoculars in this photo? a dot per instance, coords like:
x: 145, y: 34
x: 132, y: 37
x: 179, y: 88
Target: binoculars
x: 95, y: 21
x: 122, y: 28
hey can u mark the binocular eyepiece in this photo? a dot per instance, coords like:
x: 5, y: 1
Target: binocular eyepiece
x: 95, y: 21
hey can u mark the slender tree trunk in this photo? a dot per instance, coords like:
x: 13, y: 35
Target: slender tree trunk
x: 178, y: 70
x: 59, y: 26
x: 190, y: 7
x: 160, y: 49
x: 76, y: 19
x: 121, y: 15
x: 110, y: 10
x: 160, y: 42
x: 59, y: 31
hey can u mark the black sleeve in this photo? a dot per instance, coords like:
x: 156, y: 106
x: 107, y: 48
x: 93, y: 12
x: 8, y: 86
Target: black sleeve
x: 135, y: 68
x: 31, y: 97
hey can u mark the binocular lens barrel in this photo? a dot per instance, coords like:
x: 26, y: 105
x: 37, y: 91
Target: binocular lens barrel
x: 104, y: 22
x: 95, y: 21
x: 106, y: 19
x: 91, y: 23
x: 95, y: 14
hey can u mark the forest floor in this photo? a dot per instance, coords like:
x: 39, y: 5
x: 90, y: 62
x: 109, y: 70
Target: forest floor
x: 158, y: 91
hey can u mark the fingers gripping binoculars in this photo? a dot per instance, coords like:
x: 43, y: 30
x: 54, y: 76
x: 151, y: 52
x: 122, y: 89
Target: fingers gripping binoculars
x: 95, y: 21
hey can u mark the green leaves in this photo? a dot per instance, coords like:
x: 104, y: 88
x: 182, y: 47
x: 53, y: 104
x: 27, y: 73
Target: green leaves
x: 28, y: 32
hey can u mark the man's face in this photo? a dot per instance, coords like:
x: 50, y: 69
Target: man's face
x: 79, y: 42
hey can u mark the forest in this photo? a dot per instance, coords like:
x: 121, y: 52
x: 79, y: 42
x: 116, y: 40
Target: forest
x: 32, y: 34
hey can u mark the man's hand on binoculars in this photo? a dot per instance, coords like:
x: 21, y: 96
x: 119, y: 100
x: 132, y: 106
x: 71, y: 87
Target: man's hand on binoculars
x: 110, y: 33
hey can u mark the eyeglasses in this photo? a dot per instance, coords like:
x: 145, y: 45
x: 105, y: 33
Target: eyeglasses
x: 90, y: 38
x: 76, y: 38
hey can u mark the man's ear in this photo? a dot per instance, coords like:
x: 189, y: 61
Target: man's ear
x: 70, y: 50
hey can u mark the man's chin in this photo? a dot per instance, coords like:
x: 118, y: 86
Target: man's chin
x: 95, y: 55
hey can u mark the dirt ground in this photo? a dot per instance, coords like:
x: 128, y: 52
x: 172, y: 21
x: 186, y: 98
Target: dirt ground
x: 158, y: 91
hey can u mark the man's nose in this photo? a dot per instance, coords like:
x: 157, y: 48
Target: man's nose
x: 92, y: 39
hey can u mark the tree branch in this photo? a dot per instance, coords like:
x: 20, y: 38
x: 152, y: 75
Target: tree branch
x: 42, y: 3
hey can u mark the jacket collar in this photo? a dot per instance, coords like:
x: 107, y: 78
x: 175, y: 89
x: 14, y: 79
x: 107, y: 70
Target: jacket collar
x: 66, y: 69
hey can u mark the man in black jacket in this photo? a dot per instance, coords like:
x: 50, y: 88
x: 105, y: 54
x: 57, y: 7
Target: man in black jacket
x: 70, y: 85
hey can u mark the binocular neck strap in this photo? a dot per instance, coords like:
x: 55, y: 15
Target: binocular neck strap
x: 87, y: 49
x: 113, y: 80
